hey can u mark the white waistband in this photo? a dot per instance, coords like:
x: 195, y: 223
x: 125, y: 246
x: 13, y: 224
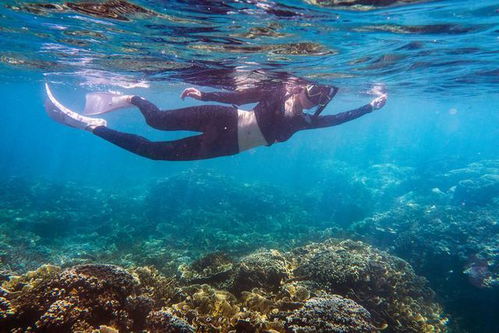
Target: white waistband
x: 249, y: 134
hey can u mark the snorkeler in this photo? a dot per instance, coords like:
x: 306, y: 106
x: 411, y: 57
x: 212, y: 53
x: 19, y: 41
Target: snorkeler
x: 225, y: 130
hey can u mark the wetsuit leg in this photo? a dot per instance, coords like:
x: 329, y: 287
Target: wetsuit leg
x: 204, y: 118
x: 207, y: 145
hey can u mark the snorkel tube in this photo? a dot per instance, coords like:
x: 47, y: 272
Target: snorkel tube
x: 327, y: 93
x: 328, y: 97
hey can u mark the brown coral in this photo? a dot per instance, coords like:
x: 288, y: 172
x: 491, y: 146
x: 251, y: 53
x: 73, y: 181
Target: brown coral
x: 80, y: 298
x: 384, y: 284
x: 211, y: 269
x: 266, y: 291
x: 207, y: 308
x: 330, y: 314
x: 262, y: 269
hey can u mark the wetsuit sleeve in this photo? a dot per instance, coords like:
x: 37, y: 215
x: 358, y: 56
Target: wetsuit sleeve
x: 340, y: 118
x: 235, y: 97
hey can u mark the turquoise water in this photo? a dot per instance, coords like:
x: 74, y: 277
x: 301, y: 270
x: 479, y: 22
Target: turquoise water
x: 418, y: 178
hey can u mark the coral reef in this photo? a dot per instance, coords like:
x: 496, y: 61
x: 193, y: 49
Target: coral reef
x: 81, y: 298
x: 443, y: 222
x: 212, y: 268
x: 348, y: 194
x: 330, y: 314
x: 207, y: 308
x: 262, y: 269
x: 154, y: 285
x: 385, y: 285
x: 239, y: 219
x: 56, y: 223
x: 431, y: 238
x: 162, y: 321
x: 268, y: 295
x: 455, y: 247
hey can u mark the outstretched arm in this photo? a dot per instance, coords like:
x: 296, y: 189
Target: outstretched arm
x: 234, y: 97
x: 340, y: 118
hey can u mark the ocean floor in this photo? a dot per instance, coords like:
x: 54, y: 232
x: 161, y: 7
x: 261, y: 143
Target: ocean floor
x: 389, y: 248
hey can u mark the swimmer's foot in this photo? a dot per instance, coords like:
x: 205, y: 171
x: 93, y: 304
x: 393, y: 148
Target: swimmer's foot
x: 65, y: 116
x: 102, y: 102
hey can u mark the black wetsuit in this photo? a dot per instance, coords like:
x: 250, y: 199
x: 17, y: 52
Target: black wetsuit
x: 219, y: 125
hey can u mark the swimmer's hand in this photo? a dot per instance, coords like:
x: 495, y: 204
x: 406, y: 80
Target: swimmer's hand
x: 378, y: 102
x: 191, y: 92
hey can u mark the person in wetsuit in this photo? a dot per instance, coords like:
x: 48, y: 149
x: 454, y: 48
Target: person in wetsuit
x: 225, y: 130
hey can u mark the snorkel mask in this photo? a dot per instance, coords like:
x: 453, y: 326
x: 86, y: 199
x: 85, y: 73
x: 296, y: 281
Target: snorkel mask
x: 320, y: 96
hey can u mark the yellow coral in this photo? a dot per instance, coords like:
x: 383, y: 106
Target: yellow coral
x: 297, y: 292
x: 31, y: 279
x: 216, y: 303
x: 107, y: 329
x: 157, y: 286
x: 255, y: 301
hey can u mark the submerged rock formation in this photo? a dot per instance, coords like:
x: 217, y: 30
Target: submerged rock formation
x: 262, y: 269
x: 335, y: 286
x: 384, y: 284
x: 81, y: 298
x: 330, y: 314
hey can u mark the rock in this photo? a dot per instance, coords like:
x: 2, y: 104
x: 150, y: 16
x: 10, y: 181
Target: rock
x: 384, y: 284
x: 79, y: 298
x: 163, y: 321
x: 330, y: 314
x: 263, y: 269
x: 480, y: 191
x: 212, y: 269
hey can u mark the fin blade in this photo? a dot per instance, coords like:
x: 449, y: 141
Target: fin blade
x: 102, y: 102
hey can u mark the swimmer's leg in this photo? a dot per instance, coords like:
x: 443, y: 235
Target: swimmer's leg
x: 203, y: 146
x: 203, y: 118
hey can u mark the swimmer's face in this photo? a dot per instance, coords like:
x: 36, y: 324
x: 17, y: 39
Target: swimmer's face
x: 305, y: 102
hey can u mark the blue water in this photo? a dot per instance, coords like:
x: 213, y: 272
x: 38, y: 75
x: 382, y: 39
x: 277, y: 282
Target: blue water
x: 438, y: 60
